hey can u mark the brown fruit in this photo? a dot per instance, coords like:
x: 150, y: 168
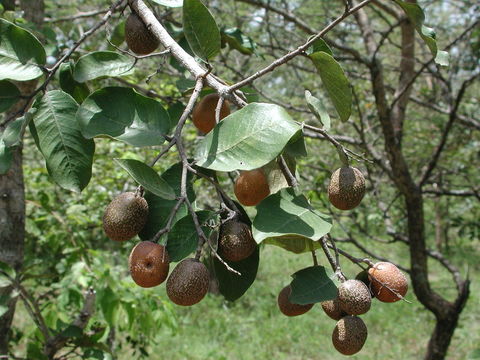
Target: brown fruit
x: 125, y: 216
x: 354, y: 297
x: 203, y: 115
x: 388, y: 283
x: 346, y: 188
x: 349, y: 335
x: 149, y: 264
x: 139, y: 39
x: 251, y: 187
x: 363, y: 277
x: 288, y: 308
x: 236, y: 241
x: 188, y: 283
x: 333, y: 310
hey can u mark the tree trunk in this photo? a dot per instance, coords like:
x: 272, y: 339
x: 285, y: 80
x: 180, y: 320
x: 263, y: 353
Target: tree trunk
x: 12, y: 233
x: 12, y: 197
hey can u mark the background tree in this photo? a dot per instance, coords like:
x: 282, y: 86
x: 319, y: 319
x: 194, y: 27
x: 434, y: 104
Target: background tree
x: 412, y: 126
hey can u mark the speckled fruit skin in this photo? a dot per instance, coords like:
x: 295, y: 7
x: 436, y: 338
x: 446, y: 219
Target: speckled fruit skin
x: 385, y: 273
x: 349, y: 335
x: 139, y: 39
x: 149, y: 264
x: 203, y: 115
x: 251, y: 187
x: 354, y: 297
x: 188, y: 283
x: 333, y: 310
x: 346, y: 188
x: 236, y: 241
x: 288, y: 308
x: 125, y: 216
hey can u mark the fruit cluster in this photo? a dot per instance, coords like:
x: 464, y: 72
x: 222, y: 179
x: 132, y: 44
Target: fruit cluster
x: 383, y: 281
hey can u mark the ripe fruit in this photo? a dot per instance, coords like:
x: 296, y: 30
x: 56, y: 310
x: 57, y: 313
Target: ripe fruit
x: 354, y: 297
x: 388, y: 283
x: 188, y: 283
x: 125, y: 216
x: 288, y: 308
x: 236, y: 242
x: 349, y: 335
x: 203, y: 115
x: 251, y: 187
x: 363, y: 277
x: 332, y: 309
x: 346, y: 188
x: 149, y: 264
x: 139, y: 39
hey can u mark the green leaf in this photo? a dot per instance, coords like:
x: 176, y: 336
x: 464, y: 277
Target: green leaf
x: 67, y: 153
x: 110, y: 304
x: 125, y: 115
x: 319, y: 45
x: 231, y: 285
x: 312, y: 285
x: 159, y: 209
x: 334, y: 79
x: 147, y: 177
x: 102, y: 63
x: 170, y: 3
x: 118, y: 35
x: 296, y: 147
x: 68, y: 84
x: 247, y: 139
x: 7, y: 269
x: 183, y: 238
x: 9, y: 95
x: 318, y: 109
x: 3, y: 309
x: 4, y: 281
x: 417, y: 17
x: 287, y: 220
x: 72, y: 331
x: 237, y: 40
x: 201, y: 30
x: 20, y: 53
x: 5, y: 157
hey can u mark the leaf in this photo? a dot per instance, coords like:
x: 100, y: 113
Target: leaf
x: 201, y: 30
x: 417, y: 17
x: 67, y: 153
x: 275, y: 178
x: 118, y: 35
x: 296, y: 147
x: 312, y: 285
x: 125, y: 115
x: 319, y: 45
x: 102, y: 63
x: 4, y: 281
x: 159, y: 209
x: 334, y: 79
x: 231, y: 285
x: 183, y: 238
x: 68, y: 84
x: 287, y: 220
x: 170, y: 3
x: 7, y: 269
x: 237, y: 40
x: 247, y: 139
x: 20, y: 53
x: 318, y: 109
x: 5, y: 158
x: 110, y: 304
x: 9, y: 95
x: 72, y: 331
x: 147, y: 177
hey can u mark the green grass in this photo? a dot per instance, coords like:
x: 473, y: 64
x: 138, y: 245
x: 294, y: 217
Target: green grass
x: 253, y: 327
